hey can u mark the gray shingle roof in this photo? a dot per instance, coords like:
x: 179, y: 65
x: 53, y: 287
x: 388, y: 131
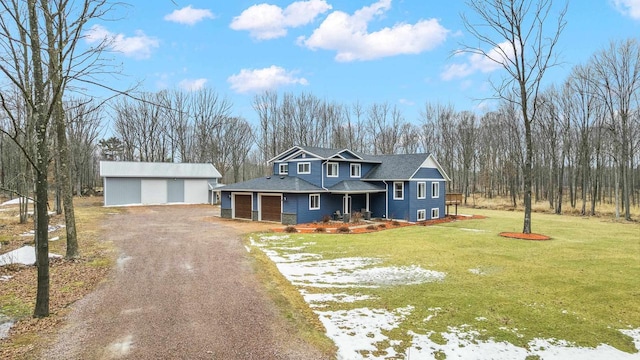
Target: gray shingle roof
x: 128, y: 169
x: 273, y: 184
x: 395, y: 167
x: 354, y: 186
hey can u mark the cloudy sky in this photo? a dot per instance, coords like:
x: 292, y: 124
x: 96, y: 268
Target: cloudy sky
x: 398, y: 51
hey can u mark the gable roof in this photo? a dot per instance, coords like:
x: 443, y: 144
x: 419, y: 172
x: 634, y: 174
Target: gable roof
x: 318, y: 152
x: 130, y: 169
x: 273, y: 184
x: 395, y: 167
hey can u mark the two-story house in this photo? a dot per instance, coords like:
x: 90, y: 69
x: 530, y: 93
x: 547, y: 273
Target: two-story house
x: 309, y: 183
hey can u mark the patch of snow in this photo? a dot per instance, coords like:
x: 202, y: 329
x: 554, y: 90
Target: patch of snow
x: 247, y: 248
x: 5, y: 277
x: 634, y: 334
x: 481, y: 318
x: 315, y: 299
x: 15, y: 201
x: 122, y: 347
x: 55, y: 238
x: 472, y: 230
x: 358, y: 330
x: 25, y: 255
x: 5, y: 326
x: 122, y: 260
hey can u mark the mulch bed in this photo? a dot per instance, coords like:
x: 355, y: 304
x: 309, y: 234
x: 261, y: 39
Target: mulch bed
x: 360, y: 227
x: 523, y: 236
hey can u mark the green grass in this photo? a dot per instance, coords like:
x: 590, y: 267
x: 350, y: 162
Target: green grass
x: 582, y: 286
x: 14, y: 308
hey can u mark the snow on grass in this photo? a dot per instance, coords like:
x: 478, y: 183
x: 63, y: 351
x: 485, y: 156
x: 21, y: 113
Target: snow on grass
x: 25, y: 255
x: 357, y: 331
x: 15, y: 201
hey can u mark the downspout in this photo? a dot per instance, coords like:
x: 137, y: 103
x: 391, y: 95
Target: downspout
x: 322, y: 174
x: 386, y: 199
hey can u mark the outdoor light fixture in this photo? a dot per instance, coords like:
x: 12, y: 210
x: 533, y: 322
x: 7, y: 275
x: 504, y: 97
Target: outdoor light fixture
x: 284, y: 198
x: 229, y: 196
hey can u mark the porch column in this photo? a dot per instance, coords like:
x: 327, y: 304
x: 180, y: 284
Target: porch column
x: 367, y: 202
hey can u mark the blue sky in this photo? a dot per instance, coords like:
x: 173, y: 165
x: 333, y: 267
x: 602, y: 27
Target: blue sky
x: 395, y: 51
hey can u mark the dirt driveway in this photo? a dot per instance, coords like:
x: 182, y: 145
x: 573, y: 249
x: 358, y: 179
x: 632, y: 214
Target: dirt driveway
x: 183, y: 289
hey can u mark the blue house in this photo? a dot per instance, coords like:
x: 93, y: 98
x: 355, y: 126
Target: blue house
x: 309, y: 183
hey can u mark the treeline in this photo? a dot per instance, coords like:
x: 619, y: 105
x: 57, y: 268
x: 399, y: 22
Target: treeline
x: 587, y: 139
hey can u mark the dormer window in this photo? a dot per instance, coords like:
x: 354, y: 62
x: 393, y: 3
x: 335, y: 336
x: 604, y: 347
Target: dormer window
x: 283, y: 169
x: 355, y: 170
x: 332, y: 169
x: 304, y: 168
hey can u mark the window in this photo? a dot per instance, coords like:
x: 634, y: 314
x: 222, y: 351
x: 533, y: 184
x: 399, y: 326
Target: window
x: 422, y: 215
x: 435, y: 189
x: 332, y: 169
x: 355, y: 170
x: 283, y: 169
x: 422, y: 190
x: 398, y: 190
x: 304, y: 168
x: 435, y: 213
x: 314, y: 202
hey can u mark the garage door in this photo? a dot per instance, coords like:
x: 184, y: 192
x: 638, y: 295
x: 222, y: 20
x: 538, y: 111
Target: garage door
x: 270, y: 210
x: 243, y: 207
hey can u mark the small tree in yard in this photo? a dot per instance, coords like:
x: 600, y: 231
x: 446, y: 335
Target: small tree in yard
x: 522, y: 44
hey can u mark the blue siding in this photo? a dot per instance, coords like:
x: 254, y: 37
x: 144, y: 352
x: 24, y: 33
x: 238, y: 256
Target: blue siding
x: 299, y: 204
x: 225, y: 200
x: 377, y: 204
x: 399, y: 209
x: 343, y: 174
x: 316, y: 172
x: 428, y: 173
x: 365, y: 168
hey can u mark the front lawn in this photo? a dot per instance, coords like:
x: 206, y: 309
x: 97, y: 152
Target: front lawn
x: 435, y: 286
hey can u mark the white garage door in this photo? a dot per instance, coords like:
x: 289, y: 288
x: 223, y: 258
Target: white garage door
x: 153, y: 191
x: 196, y: 191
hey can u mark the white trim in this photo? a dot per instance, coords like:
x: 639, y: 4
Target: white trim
x: 310, y: 205
x: 304, y: 172
x: 353, y: 166
x: 424, y: 214
x: 337, y: 165
x: 260, y: 195
x: 433, y: 193
x: 437, y: 213
x: 233, y: 203
x: 424, y: 189
x: 394, y: 190
x: 280, y: 165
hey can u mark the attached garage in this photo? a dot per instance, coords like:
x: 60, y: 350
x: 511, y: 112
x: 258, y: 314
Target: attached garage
x: 243, y: 206
x: 144, y: 183
x: 271, y: 208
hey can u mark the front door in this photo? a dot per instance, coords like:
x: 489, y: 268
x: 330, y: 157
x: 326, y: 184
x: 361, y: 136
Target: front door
x: 346, y: 204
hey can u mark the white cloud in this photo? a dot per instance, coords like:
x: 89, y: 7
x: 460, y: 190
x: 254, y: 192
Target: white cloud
x: 480, y: 63
x: 189, y: 15
x: 266, y: 21
x: 138, y: 46
x: 629, y: 8
x: 349, y: 36
x: 406, y: 102
x: 256, y: 80
x: 192, y: 84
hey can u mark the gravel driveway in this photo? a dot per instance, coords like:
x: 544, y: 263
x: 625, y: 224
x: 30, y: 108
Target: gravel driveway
x: 183, y: 288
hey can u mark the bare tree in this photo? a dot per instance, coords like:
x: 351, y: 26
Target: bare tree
x: 516, y: 31
x: 617, y: 76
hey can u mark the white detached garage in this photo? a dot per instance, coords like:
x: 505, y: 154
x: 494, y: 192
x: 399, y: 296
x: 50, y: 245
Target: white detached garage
x: 146, y: 183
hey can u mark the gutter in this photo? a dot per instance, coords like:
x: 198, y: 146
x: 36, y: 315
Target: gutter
x: 386, y: 199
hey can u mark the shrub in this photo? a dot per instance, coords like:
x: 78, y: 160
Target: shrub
x: 371, y: 227
x: 356, y: 217
x: 320, y: 229
x: 326, y: 218
x: 343, y: 229
x: 290, y: 229
x: 382, y: 226
x: 395, y: 223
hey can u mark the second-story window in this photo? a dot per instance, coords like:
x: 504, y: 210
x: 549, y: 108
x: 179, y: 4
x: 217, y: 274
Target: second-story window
x: 422, y: 190
x: 304, y: 168
x: 355, y: 170
x: 283, y: 169
x: 332, y: 169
